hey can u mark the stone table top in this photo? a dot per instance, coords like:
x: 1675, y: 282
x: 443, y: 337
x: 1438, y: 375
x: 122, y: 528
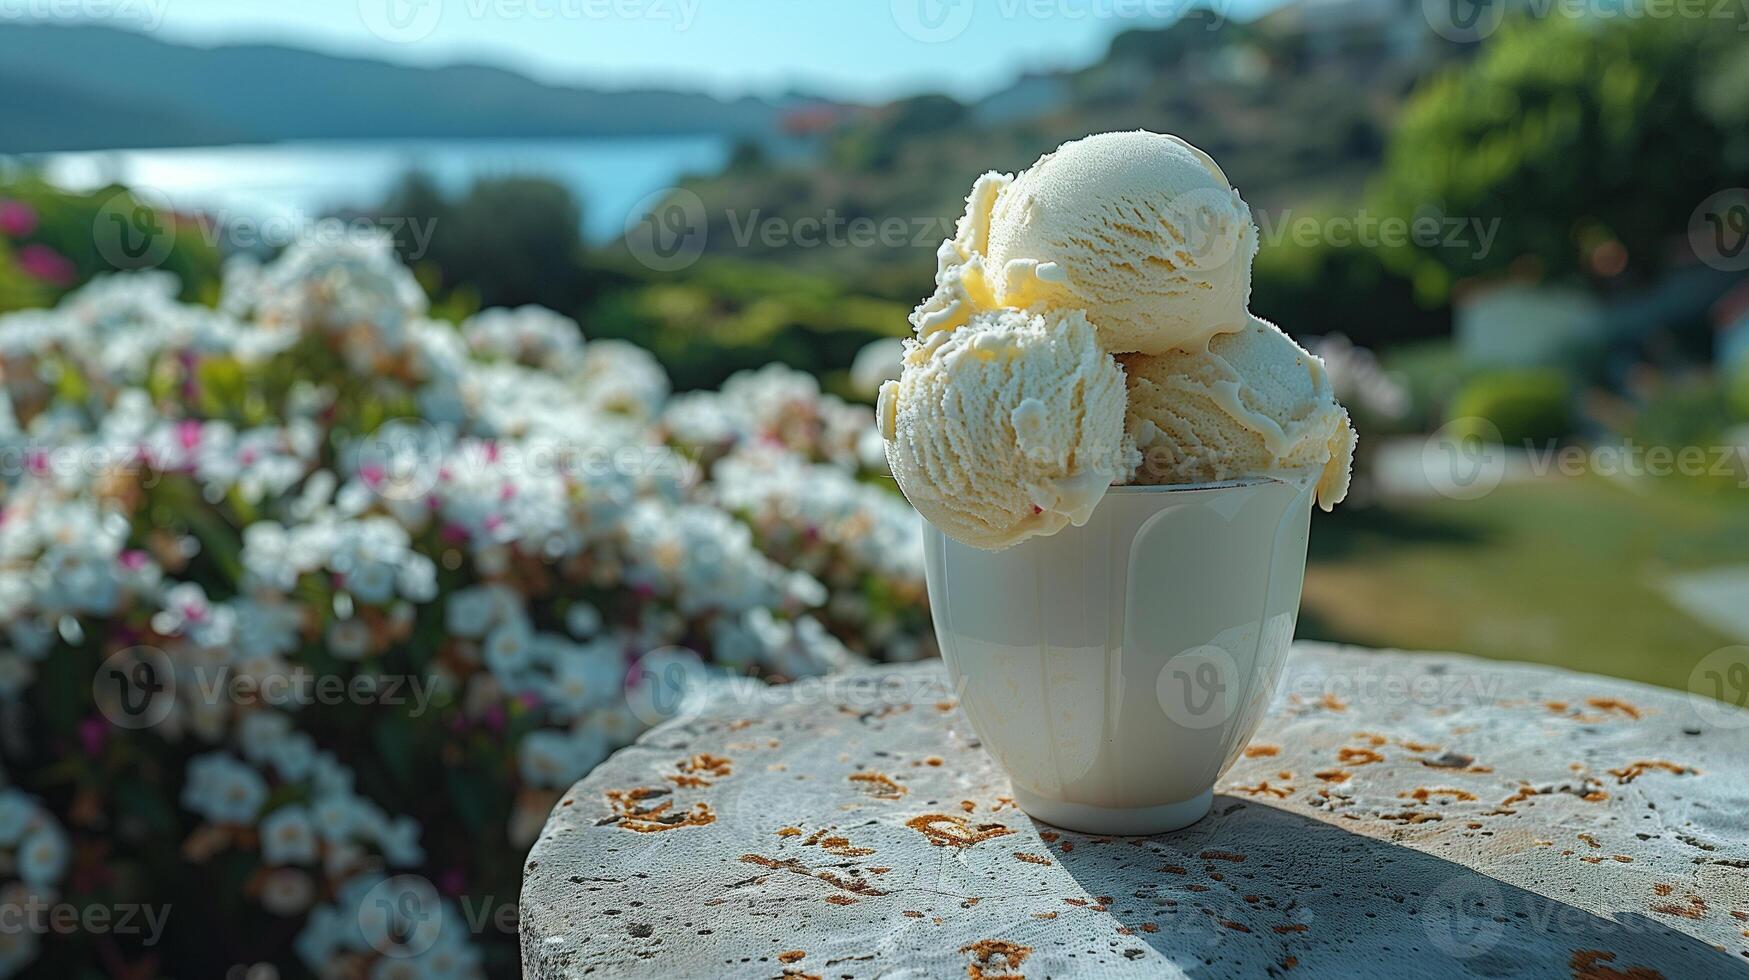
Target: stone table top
x: 1396, y: 815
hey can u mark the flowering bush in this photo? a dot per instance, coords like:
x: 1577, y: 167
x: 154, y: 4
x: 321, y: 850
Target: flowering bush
x: 307, y: 596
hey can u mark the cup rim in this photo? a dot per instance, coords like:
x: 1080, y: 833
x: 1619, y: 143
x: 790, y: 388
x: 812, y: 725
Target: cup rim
x: 1250, y: 481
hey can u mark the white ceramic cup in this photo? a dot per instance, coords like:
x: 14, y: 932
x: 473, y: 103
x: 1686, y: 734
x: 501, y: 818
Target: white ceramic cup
x: 1117, y: 669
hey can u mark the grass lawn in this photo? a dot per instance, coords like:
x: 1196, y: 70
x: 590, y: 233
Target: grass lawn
x: 1561, y: 571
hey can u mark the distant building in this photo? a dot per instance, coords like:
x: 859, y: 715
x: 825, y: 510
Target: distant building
x: 1332, y: 28
x: 1731, y: 317
x: 1032, y: 96
x: 1521, y: 325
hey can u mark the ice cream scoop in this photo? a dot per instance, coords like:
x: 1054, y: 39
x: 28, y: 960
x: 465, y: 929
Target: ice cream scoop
x: 1254, y: 403
x: 1007, y: 427
x: 1139, y: 230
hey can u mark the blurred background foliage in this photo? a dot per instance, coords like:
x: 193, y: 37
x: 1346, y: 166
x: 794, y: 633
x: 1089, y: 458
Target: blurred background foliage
x: 1583, y: 146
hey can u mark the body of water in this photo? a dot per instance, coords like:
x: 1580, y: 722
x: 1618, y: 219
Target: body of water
x: 305, y: 179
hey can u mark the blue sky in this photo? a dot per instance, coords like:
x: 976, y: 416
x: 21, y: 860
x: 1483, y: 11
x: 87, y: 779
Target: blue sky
x: 850, y: 48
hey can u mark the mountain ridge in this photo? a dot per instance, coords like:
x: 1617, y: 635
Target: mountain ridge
x: 63, y: 80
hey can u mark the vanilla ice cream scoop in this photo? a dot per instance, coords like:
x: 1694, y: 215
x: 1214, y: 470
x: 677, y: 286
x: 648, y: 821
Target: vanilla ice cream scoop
x: 1139, y: 230
x: 1253, y: 404
x: 1009, y: 426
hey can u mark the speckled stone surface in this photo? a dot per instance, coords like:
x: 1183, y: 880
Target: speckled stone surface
x: 1397, y: 815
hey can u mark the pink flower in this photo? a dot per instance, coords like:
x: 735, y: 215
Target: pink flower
x: 47, y: 265
x: 93, y: 733
x: 188, y: 434
x: 17, y: 219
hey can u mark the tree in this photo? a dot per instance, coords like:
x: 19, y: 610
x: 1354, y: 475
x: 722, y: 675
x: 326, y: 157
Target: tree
x: 1588, y: 142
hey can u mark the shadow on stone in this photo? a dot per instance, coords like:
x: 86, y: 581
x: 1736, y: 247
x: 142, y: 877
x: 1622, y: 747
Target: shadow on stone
x: 1254, y: 890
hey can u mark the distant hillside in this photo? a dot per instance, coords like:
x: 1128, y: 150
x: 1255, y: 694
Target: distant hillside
x: 90, y: 87
x: 1296, y: 114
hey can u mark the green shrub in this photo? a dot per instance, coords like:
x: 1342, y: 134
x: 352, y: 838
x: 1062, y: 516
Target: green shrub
x: 67, y: 225
x: 1524, y: 405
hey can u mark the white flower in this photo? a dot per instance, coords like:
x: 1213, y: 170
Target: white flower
x: 879, y: 361
x: 583, y: 620
x: 287, y: 836
x: 585, y: 676
x: 472, y: 611
x: 223, y: 790
x: 530, y: 335
x: 42, y: 857
x: 349, y: 639
x: 552, y: 759
x: 287, y: 891
x: 623, y: 379
x: 509, y: 648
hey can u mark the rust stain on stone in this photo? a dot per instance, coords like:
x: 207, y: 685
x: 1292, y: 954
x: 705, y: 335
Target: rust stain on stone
x: 1265, y: 788
x: 1614, y: 704
x: 1351, y: 756
x: 1634, y: 770
x: 948, y: 830
x: 1334, y: 775
x: 706, y: 764
x: 840, y: 900
x: 694, y: 770
x: 1415, y: 746
x: 1662, y: 889
x: 1044, y: 915
x: 842, y: 847
x: 1592, y: 964
x: 791, y: 956
x: 1294, y: 927
x: 1589, y: 839
x: 631, y: 813
x: 1331, y: 702
x: 989, y: 955
x: 878, y: 785
x: 1222, y: 856
x: 1032, y: 858
x: 1424, y: 793
x: 968, y: 806
x: 1411, y: 816
x: 1695, y: 908
x: 1262, y: 751
x: 794, y: 866
x: 790, y: 832
x: 1227, y: 923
